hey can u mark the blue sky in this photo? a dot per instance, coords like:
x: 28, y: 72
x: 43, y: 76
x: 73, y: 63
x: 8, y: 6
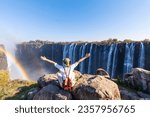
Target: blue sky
x: 73, y: 20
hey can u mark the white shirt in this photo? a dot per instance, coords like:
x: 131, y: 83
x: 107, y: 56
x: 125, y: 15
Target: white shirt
x: 66, y: 70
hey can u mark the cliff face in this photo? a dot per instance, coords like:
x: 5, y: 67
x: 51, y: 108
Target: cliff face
x: 115, y: 58
x: 3, y: 59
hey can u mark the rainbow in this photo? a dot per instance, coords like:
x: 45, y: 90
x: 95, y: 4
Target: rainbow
x: 17, y: 64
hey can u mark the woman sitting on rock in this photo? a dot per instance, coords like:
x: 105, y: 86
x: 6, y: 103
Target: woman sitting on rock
x: 66, y: 76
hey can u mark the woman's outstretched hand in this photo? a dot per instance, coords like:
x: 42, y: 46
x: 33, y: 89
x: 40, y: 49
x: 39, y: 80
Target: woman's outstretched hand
x: 43, y: 58
x: 87, y: 55
x: 47, y: 60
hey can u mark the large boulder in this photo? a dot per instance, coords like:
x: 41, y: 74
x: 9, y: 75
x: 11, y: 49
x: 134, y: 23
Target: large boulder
x: 52, y: 79
x: 90, y: 87
x: 128, y: 94
x: 95, y: 87
x: 50, y: 88
x: 77, y: 74
x: 52, y: 92
x: 138, y: 79
x: 102, y: 72
x: 47, y: 79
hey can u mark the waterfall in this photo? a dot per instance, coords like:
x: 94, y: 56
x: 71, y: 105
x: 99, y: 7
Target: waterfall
x: 74, y: 54
x: 114, y: 63
x: 65, y: 51
x: 82, y: 51
x: 129, y: 56
x: 105, y: 56
x: 109, y: 63
x: 14, y: 67
x: 141, y: 56
x: 116, y: 59
x: 71, y: 51
x: 90, y: 59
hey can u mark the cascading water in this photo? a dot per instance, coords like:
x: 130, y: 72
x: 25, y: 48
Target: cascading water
x: 114, y: 63
x: 109, y: 63
x: 71, y: 51
x: 142, y: 56
x: 129, y: 56
x: 82, y: 55
x: 105, y: 57
x: 13, y: 71
x: 90, y: 59
x: 16, y: 71
x: 74, y: 54
x: 65, y: 51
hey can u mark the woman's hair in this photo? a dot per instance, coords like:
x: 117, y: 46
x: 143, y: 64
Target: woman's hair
x: 67, y: 61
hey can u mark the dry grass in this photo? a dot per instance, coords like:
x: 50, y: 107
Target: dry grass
x: 13, y: 89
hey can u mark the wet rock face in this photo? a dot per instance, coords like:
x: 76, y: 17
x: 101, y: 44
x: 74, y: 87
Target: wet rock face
x: 3, y: 60
x: 138, y: 79
x: 95, y: 87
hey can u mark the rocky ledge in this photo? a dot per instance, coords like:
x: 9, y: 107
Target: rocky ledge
x: 138, y: 79
x: 88, y: 87
x: 137, y: 85
x: 95, y: 87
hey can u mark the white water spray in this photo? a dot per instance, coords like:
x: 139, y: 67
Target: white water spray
x: 13, y: 70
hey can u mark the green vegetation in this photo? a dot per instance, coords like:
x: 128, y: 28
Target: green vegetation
x: 4, y: 77
x: 128, y: 41
x: 101, y: 42
x: 13, y: 89
x: 1, y: 54
x: 146, y: 40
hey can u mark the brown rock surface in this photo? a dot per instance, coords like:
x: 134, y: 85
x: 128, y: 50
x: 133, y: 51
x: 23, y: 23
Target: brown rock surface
x: 52, y: 79
x: 95, y: 87
x: 47, y: 79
